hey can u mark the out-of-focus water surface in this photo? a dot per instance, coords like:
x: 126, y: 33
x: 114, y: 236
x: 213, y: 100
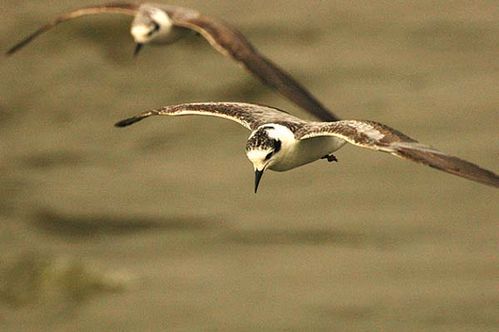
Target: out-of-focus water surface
x: 156, y: 226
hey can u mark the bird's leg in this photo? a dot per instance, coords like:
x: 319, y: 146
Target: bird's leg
x: 330, y: 157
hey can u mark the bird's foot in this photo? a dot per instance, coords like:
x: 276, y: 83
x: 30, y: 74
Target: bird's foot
x: 330, y: 157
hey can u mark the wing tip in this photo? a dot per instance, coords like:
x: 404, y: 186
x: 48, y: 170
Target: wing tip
x: 134, y: 119
x: 21, y: 44
x: 451, y: 164
x: 129, y: 121
x: 14, y: 49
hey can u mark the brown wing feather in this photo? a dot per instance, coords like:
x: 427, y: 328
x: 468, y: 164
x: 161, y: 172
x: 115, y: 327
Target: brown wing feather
x: 231, y: 42
x: 112, y: 8
x: 250, y: 116
x: 376, y: 136
x: 450, y: 164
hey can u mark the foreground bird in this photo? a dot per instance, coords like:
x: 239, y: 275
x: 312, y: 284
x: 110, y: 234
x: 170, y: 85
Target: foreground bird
x: 158, y: 23
x: 280, y: 141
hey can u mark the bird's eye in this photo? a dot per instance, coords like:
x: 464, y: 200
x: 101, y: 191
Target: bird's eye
x: 267, y: 157
x: 277, y: 146
x: 155, y: 28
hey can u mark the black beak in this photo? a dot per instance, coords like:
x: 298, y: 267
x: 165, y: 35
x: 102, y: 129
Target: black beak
x: 138, y: 47
x: 258, y: 176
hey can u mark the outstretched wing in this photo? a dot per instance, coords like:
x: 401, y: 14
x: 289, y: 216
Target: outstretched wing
x: 250, y: 116
x: 112, y: 8
x: 230, y: 42
x: 376, y: 136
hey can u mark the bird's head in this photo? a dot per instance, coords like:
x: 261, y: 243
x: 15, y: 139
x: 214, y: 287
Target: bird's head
x: 149, y: 25
x: 264, y: 148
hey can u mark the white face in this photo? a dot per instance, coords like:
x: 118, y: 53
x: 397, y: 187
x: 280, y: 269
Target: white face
x: 269, y: 144
x: 150, y: 24
x: 261, y: 159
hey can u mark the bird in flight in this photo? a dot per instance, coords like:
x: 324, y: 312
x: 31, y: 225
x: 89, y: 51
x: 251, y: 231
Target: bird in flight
x: 280, y: 141
x: 164, y: 24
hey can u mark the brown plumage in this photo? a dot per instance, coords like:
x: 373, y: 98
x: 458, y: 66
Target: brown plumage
x: 110, y: 8
x: 366, y: 134
x: 224, y: 38
x: 400, y: 145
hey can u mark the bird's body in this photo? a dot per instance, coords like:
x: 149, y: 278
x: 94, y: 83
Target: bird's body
x: 164, y: 24
x: 280, y: 141
x: 294, y: 152
x: 153, y: 24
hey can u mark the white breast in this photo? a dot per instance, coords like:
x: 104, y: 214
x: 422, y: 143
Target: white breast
x: 302, y: 152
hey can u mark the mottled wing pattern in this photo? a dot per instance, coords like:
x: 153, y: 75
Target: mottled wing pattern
x: 112, y: 8
x: 250, y: 116
x: 376, y: 136
x: 230, y: 42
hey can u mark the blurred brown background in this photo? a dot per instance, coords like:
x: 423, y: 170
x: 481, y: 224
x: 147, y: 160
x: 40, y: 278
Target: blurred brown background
x: 156, y: 226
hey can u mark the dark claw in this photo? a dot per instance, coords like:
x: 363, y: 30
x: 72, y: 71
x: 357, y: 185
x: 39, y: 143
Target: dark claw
x: 330, y: 158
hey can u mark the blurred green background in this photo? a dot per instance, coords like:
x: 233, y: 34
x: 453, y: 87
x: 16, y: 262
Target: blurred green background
x: 156, y: 226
